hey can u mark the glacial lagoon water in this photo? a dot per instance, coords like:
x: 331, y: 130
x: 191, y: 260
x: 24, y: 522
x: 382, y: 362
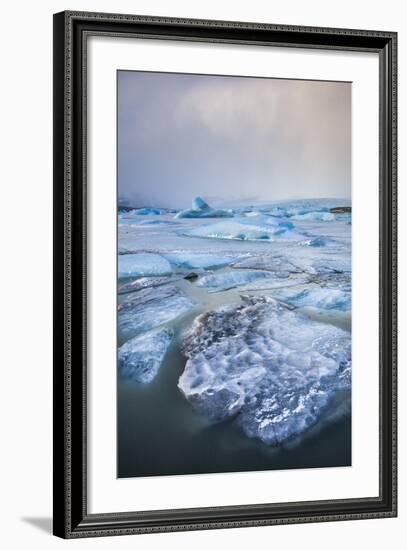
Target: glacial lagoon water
x: 290, y: 263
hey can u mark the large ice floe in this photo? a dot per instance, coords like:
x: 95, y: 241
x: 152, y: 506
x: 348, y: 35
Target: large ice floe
x: 256, y: 228
x: 151, y: 307
x: 273, y: 369
x: 143, y: 265
x: 140, y: 357
x: 200, y: 209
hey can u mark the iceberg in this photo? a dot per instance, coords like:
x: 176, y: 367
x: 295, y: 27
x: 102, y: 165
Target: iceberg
x: 200, y: 209
x: 143, y: 265
x: 317, y: 242
x: 256, y: 228
x: 232, y: 279
x: 140, y: 358
x: 151, y: 307
x: 188, y: 260
x: 274, y: 370
x: 147, y: 211
x: 321, y: 298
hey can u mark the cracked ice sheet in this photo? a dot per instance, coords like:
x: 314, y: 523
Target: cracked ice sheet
x: 275, y: 370
x: 149, y: 308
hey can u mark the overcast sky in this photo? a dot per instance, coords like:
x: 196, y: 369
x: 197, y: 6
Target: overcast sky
x: 231, y: 139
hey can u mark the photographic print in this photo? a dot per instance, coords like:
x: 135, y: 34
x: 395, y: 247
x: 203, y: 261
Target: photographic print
x: 233, y: 274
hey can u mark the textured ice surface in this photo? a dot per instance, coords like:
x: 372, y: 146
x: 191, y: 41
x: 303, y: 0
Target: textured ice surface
x: 140, y: 358
x: 268, y: 263
x: 320, y: 241
x: 144, y: 282
x: 232, y: 279
x: 143, y: 265
x: 199, y: 261
x: 274, y: 369
x: 148, y: 308
x: 200, y: 209
x: 322, y: 298
x: 261, y: 227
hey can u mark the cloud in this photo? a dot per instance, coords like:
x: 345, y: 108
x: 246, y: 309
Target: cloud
x: 181, y: 135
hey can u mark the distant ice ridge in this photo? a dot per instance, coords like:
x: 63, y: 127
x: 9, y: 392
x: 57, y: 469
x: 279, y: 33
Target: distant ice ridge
x: 291, y: 208
x: 273, y: 369
x: 143, y: 265
x: 253, y: 228
x: 151, y: 307
x: 232, y: 279
x: 321, y: 298
x: 134, y: 221
x: 189, y: 260
x: 200, y: 209
x: 140, y: 358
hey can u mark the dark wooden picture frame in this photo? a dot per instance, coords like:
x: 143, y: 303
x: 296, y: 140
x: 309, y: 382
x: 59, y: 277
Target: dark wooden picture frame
x: 71, y: 518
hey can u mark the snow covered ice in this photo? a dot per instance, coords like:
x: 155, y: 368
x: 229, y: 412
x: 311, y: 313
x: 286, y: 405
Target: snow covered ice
x: 140, y: 358
x: 273, y: 369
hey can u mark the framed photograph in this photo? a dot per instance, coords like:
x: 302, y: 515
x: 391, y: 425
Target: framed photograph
x: 224, y: 274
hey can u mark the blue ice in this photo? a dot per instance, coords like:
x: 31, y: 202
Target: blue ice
x: 232, y: 279
x: 199, y: 261
x: 151, y: 307
x: 254, y: 228
x: 200, y: 209
x: 140, y: 358
x: 321, y: 298
x: 143, y: 265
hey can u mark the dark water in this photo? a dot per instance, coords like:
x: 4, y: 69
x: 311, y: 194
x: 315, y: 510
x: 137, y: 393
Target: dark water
x: 160, y: 434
